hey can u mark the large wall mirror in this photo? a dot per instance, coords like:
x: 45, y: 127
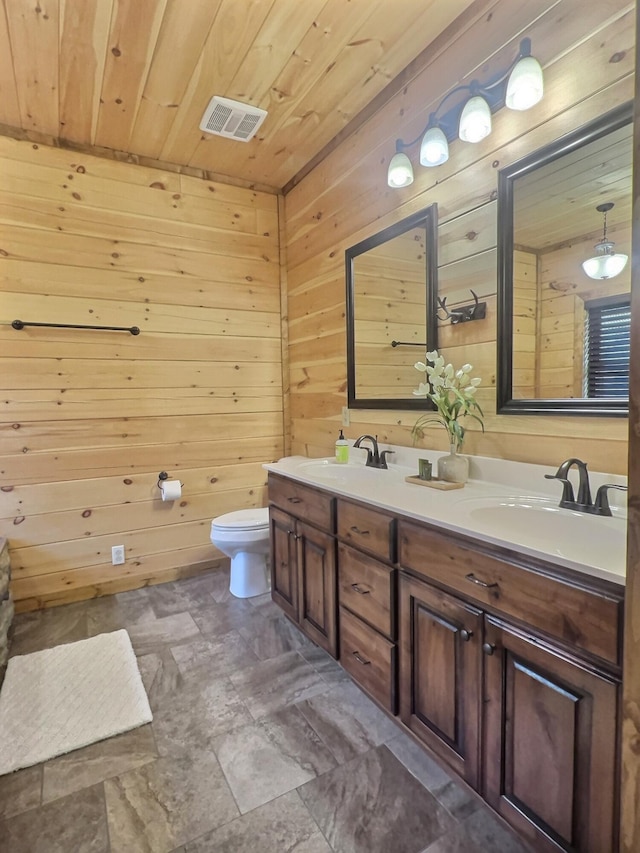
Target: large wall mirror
x: 563, y: 336
x: 391, y: 312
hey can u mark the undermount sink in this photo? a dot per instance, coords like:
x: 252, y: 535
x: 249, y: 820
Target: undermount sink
x: 591, y: 539
x: 351, y: 472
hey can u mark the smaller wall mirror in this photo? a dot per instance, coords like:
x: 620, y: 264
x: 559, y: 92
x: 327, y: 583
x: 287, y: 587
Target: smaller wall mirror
x: 563, y: 336
x: 391, y: 312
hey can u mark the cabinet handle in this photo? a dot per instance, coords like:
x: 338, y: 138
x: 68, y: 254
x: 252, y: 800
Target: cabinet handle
x: 294, y: 500
x: 360, y: 659
x: 297, y: 536
x: 291, y: 533
x: 471, y: 577
x: 359, y: 532
x: 488, y: 648
x: 466, y: 635
x: 357, y: 588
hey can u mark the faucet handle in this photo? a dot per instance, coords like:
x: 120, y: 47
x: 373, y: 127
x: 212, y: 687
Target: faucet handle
x: 383, y: 457
x: 602, y: 498
x: 567, y: 489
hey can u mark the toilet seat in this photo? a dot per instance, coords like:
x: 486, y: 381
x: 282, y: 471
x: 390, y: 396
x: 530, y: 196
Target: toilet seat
x: 242, y: 519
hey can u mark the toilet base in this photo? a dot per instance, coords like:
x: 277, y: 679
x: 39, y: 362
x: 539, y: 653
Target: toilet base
x: 249, y: 575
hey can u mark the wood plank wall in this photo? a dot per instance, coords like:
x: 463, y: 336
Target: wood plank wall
x: 587, y: 51
x: 90, y: 418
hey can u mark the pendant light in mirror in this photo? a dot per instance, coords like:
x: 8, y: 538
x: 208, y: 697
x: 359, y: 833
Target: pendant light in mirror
x: 519, y: 87
x: 606, y: 263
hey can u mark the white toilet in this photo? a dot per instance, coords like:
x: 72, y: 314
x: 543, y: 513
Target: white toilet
x: 244, y: 536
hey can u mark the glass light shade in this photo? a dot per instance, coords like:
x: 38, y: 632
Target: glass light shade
x: 434, y: 150
x: 526, y: 84
x: 400, y: 172
x: 475, y: 121
x: 606, y: 264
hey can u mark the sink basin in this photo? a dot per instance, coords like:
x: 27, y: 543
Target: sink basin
x: 328, y: 471
x: 538, y: 522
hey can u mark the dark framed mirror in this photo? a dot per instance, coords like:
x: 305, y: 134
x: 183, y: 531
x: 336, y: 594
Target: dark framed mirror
x: 563, y: 332
x: 391, y: 312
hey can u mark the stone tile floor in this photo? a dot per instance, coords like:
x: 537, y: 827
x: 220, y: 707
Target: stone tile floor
x: 260, y: 744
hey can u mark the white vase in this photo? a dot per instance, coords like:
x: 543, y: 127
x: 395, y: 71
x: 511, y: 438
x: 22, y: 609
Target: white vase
x: 453, y: 467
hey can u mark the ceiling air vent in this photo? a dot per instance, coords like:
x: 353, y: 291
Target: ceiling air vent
x: 232, y: 119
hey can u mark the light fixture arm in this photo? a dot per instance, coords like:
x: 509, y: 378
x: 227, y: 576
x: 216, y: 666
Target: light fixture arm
x: 448, y: 121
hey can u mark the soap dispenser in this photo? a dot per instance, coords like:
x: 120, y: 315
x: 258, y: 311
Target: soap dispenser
x: 342, y: 449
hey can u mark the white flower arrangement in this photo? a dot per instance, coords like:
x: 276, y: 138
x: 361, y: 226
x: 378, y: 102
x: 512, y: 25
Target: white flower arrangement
x: 453, y: 394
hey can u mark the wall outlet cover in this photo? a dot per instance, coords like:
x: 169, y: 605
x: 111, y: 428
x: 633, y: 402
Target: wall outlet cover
x: 346, y: 416
x: 117, y: 555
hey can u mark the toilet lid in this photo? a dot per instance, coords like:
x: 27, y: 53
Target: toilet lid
x: 248, y: 519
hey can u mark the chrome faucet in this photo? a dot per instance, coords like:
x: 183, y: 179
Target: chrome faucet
x: 583, y: 502
x: 375, y: 459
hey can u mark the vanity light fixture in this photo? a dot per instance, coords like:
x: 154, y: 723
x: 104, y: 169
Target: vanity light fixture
x: 605, y: 263
x: 519, y: 87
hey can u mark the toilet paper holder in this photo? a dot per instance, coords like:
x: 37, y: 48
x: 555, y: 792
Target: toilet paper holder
x: 162, y: 476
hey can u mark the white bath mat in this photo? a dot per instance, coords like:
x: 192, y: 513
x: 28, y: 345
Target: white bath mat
x: 63, y: 698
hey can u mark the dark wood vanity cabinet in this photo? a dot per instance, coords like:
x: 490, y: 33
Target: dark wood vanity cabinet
x: 510, y: 694
x: 303, y: 560
x: 506, y: 668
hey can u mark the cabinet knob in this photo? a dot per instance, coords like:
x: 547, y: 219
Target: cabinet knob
x: 466, y: 635
x: 488, y: 648
x: 360, y: 659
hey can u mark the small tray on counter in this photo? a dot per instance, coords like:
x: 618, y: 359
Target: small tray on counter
x: 443, y: 485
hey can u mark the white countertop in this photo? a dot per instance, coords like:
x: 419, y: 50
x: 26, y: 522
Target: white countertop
x: 504, y: 503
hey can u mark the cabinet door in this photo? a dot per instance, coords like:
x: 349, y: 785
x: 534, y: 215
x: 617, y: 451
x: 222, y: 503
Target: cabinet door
x: 550, y: 744
x: 284, y: 569
x: 440, y: 661
x: 317, y: 586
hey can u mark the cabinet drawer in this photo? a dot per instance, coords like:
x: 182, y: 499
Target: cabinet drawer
x: 369, y: 658
x: 304, y: 502
x: 368, y: 529
x: 367, y: 588
x: 580, y: 617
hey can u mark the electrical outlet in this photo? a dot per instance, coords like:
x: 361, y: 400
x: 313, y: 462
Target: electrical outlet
x: 346, y: 416
x: 117, y: 555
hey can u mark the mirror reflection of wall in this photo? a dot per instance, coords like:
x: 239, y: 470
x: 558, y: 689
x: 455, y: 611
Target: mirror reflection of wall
x: 466, y: 263
x: 391, y: 299
x: 556, y: 225
x: 568, y: 332
x: 391, y: 312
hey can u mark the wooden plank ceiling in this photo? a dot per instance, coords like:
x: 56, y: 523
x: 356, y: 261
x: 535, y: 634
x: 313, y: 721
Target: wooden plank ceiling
x: 135, y: 76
